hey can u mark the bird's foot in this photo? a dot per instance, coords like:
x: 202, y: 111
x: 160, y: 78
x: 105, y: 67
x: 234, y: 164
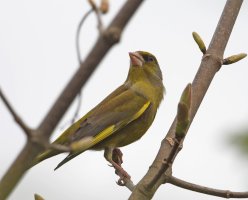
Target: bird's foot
x: 116, y: 163
x: 124, y: 176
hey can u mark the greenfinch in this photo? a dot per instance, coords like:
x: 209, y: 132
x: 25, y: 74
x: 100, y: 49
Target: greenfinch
x: 121, y: 118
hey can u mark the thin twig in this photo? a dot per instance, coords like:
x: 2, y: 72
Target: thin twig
x: 129, y: 184
x: 79, y: 28
x: 78, y: 35
x: 98, y: 15
x: 206, y: 190
x: 16, y: 117
x: 99, y: 20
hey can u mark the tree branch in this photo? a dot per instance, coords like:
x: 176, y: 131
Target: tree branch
x: 206, y: 190
x: 182, y: 124
x: 16, y: 117
x: 211, y: 63
x: 104, y: 43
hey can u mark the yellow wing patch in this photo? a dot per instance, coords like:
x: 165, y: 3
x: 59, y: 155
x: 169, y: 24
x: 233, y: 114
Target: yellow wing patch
x: 141, y: 111
x: 87, y: 142
x: 103, y: 134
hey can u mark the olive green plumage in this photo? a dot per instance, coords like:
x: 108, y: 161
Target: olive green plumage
x: 122, y: 117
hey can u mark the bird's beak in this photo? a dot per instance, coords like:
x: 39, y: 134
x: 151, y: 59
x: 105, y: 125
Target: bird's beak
x: 136, y: 59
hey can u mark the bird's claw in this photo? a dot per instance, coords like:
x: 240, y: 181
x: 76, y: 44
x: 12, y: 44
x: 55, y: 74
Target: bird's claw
x: 116, y: 162
x: 121, y: 182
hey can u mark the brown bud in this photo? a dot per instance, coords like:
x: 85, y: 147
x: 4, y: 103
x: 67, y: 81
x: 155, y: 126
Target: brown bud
x: 104, y: 7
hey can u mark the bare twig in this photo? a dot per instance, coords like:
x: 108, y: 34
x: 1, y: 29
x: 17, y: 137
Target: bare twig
x: 98, y: 15
x: 206, y: 190
x: 78, y: 35
x: 79, y: 60
x: 99, y: 20
x: 129, y: 184
x: 79, y: 28
x: 211, y: 63
x: 16, y: 117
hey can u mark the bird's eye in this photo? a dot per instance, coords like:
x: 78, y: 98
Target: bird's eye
x: 150, y: 59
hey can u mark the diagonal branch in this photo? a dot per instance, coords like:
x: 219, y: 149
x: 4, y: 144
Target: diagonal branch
x: 211, y: 63
x: 182, y: 124
x: 206, y: 190
x: 16, y: 117
x: 105, y: 42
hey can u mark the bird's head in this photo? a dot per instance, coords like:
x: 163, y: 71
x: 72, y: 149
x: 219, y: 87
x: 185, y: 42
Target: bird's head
x: 144, y: 64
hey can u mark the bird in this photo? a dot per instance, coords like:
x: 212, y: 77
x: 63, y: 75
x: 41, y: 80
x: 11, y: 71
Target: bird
x: 122, y: 118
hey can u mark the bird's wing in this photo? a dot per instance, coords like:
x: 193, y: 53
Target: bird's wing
x: 104, y: 120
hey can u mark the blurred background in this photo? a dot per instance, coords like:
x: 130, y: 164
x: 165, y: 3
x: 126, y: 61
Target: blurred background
x: 38, y: 58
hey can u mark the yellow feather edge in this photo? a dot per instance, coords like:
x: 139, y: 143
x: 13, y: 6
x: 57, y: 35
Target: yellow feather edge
x: 141, y: 111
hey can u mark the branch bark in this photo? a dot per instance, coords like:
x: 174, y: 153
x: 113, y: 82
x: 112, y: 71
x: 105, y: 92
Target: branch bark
x: 32, y: 148
x: 16, y: 117
x: 206, y: 190
x: 210, y: 64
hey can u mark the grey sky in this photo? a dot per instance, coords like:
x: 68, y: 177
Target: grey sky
x: 38, y: 57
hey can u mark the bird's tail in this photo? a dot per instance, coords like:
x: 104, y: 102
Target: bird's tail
x: 45, y: 155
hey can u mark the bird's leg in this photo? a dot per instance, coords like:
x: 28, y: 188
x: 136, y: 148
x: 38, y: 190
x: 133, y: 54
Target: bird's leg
x: 114, y: 156
x: 117, y: 156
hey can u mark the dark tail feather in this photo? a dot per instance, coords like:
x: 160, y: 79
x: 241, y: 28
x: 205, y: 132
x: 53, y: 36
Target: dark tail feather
x: 69, y: 157
x: 45, y: 155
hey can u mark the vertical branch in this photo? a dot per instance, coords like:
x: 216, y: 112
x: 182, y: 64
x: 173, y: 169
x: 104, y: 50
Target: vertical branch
x: 210, y: 64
